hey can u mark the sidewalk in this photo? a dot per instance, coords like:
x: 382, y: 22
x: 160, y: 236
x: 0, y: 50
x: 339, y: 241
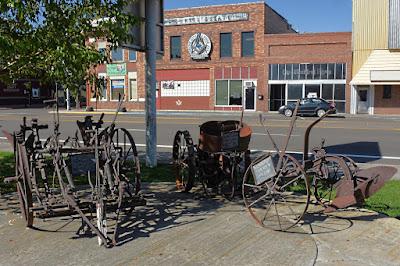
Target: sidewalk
x: 188, y: 229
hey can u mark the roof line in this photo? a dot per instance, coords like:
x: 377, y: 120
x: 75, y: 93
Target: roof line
x: 198, y: 7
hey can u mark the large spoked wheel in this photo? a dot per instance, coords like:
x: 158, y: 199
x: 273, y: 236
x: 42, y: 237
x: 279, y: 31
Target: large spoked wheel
x: 276, y: 191
x: 331, y: 171
x: 183, y: 160
x: 124, y: 151
x: 24, y: 185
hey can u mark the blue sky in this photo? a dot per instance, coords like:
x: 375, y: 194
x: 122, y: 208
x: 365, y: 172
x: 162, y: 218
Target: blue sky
x: 304, y: 15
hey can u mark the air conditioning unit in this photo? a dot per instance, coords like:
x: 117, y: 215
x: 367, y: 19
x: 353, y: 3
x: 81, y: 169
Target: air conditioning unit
x: 249, y: 84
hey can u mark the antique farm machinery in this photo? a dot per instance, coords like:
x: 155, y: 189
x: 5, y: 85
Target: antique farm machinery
x: 218, y: 161
x: 277, y: 187
x: 97, y: 177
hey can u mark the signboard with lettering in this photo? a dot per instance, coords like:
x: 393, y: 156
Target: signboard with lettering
x: 263, y: 170
x: 116, y: 69
x: 217, y: 18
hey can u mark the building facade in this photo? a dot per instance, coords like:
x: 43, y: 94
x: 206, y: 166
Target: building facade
x: 375, y: 87
x: 230, y: 57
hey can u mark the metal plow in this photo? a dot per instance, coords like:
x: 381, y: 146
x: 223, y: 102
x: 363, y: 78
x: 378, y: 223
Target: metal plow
x: 277, y: 187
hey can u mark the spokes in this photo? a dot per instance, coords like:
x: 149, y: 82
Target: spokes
x: 281, y: 201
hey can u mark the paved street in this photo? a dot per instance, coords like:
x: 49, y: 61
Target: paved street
x: 367, y: 139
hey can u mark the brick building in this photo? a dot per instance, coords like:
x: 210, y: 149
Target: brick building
x: 223, y: 57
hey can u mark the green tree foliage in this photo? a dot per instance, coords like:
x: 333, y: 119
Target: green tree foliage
x: 48, y: 39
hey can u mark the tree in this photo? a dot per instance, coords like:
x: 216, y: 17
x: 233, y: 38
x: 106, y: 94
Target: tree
x: 48, y: 39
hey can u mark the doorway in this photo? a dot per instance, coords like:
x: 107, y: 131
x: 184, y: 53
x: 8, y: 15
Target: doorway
x: 249, y: 95
x: 363, y: 103
x: 277, y: 96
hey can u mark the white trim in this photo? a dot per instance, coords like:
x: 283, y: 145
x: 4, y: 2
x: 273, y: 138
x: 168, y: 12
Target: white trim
x: 353, y: 100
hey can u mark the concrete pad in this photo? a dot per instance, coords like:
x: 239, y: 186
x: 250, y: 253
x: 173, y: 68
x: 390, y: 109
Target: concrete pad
x: 173, y: 229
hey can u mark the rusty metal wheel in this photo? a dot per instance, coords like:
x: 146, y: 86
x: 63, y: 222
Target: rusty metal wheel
x: 331, y: 171
x: 276, y: 191
x: 184, y: 160
x: 24, y: 185
x: 125, y: 152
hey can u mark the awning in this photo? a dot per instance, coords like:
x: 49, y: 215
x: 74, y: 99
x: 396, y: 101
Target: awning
x: 381, y: 68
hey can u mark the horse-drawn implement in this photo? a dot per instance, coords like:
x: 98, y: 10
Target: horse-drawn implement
x: 105, y: 161
x: 277, y: 187
x: 218, y: 161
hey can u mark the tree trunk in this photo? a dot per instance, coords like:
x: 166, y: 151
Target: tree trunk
x: 77, y: 103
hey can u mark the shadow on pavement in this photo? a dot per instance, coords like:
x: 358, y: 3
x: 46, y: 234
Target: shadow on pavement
x: 362, y: 147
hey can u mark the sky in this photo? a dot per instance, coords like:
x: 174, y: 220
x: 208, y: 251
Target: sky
x: 304, y: 15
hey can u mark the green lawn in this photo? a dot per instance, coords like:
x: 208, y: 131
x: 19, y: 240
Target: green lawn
x: 6, y: 170
x: 386, y: 200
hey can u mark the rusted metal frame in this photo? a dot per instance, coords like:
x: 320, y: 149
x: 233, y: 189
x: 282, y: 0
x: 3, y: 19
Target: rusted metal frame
x: 306, y: 163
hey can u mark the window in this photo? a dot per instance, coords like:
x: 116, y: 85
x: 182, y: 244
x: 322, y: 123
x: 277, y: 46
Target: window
x: 133, y: 89
x: 247, y: 44
x: 340, y: 97
x: 387, y: 92
x: 117, y: 88
x: 117, y: 55
x: 225, y: 44
x: 175, y: 47
x: 132, y: 55
x: 99, y: 92
x: 229, y: 92
x: 294, y: 92
x: 327, y: 92
x: 222, y: 92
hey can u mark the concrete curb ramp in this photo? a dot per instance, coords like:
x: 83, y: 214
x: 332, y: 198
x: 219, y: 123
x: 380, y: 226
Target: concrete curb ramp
x: 187, y: 229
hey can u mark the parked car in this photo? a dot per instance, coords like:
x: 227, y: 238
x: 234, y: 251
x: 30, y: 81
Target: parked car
x: 308, y: 106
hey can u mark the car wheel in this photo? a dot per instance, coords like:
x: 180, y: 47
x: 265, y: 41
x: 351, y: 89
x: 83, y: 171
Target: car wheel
x: 288, y: 112
x: 321, y: 112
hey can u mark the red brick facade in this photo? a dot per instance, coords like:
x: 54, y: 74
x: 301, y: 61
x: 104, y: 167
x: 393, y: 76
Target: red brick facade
x: 390, y: 105
x: 286, y: 46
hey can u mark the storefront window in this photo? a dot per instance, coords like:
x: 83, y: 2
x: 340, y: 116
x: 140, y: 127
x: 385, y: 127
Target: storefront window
x: 324, y: 71
x: 307, y: 71
x: 288, y: 71
x: 132, y: 89
x: 339, y: 71
x: 117, y: 55
x: 225, y: 44
x: 295, y: 91
x: 229, y: 92
x: 312, y: 90
x: 247, y: 44
x: 175, y: 47
x: 340, y: 97
x: 235, y: 92
x: 296, y: 71
x: 327, y: 92
x: 221, y: 91
x: 117, y: 88
x: 331, y: 71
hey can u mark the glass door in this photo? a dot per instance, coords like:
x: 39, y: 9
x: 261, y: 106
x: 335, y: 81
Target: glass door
x: 277, y: 96
x: 249, y: 95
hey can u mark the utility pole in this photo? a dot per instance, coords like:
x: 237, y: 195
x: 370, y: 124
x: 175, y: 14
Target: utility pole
x: 150, y: 104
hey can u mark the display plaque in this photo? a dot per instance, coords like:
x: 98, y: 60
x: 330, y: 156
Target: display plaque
x: 263, y: 170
